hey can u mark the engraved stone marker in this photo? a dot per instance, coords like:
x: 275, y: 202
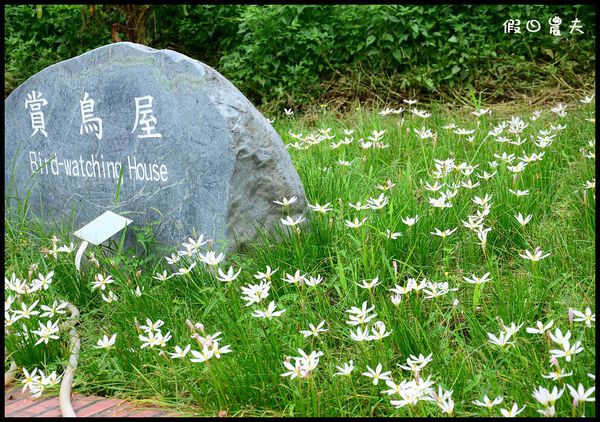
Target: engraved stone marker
x: 190, y: 149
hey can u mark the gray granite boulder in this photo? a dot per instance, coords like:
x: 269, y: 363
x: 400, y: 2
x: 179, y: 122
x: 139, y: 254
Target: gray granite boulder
x: 190, y: 149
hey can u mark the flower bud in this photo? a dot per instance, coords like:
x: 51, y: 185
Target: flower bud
x: 571, y: 315
x: 200, y: 327
x: 455, y: 303
x: 553, y: 361
x: 189, y: 325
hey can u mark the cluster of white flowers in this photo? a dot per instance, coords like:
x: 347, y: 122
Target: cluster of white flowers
x: 303, y: 365
x: 36, y: 381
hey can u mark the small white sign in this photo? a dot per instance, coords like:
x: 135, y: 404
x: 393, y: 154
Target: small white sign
x: 102, y: 228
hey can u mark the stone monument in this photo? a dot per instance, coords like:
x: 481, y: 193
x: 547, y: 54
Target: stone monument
x: 168, y: 136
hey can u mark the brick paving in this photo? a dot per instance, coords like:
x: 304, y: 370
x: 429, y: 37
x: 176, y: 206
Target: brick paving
x: 17, y: 404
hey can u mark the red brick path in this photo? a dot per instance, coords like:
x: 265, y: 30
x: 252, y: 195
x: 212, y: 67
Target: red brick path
x: 17, y: 404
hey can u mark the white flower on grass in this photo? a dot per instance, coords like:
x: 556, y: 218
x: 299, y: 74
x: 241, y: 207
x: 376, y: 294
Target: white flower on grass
x: 540, y: 328
x: 481, y: 112
x: 266, y: 275
x: 392, y: 235
x: 482, y: 201
x: 297, y: 278
x: 362, y: 334
x: 229, y: 276
x: 179, y: 352
x: 100, y: 281
x: 386, y: 186
x: 586, y: 317
x: 203, y: 356
x: 545, y: 397
x: 210, y: 258
x: 288, y: 111
x: 410, y: 221
x: 557, y: 375
x: 321, y: 208
x: 487, y: 402
x: 313, y: 281
x: 314, y: 331
x: 444, y: 233
x: 44, y: 281
x: 173, y: 259
x: 581, y: 394
x: 567, y: 351
x: 435, y: 187
x: 285, y: 201
x: 186, y: 270
x: 27, y: 311
x: 111, y: 297
x: 289, y: 221
x: 523, y: 220
x: 152, y: 339
x: 255, y: 293
x: 478, y: 280
x: 47, y: 332
x: 194, y: 245
x: 369, y: 285
x: 587, y: 99
x: 415, y: 364
x: 558, y: 336
x: 379, y: 331
x: 51, y: 380
x: 294, y: 371
x: 269, y: 313
x: 152, y: 326
x: 469, y: 184
x: 536, y: 256
x: 440, y: 202
x: 514, y: 411
x: 346, y: 369
x: 356, y: 223
x: 377, y: 374
x: 519, y: 192
x: 106, y: 342
x: 378, y: 203
x: 56, y: 308
x: 486, y: 175
x: 30, y: 379
x: 501, y: 340
x: 218, y: 351
x: 359, y: 316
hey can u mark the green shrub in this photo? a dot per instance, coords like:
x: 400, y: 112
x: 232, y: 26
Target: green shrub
x: 292, y: 54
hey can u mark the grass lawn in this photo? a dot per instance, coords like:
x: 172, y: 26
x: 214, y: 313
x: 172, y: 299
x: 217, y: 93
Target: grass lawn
x: 443, y: 168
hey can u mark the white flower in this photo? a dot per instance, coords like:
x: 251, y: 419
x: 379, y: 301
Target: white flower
x: 314, y: 331
x: 478, y: 280
x: 266, y: 275
x: 361, y: 315
x: 30, y: 379
x: 203, y: 356
x: 487, y: 402
x: 356, y: 223
x: 100, y: 281
x: 514, y: 411
x: 211, y: 258
x: 377, y: 374
x: 444, y: 233
x: 105, y: 342
x: 523, y: 220
x: 44, y: 281
x: 588, y: 317
x: 297, y: 278
x: 567, y: 351
x: 361, y: 334
x: 410, y: 221
x: 51, y: 311
x: 345, y: 370
x: 545, y: 397
x: 47, y: 332
x: 321, y: 208
x: 556, y: 375
x: 581, y: 394
x: 111, y: 297
x: 269, y: 313
x: 179, y: 352
x: 540, y: 327
x: 255, y: 293
x: 536, y: 256
x: 285, y: 202
x: 313, y: 281
x: 519, y: 192
x: 369, y: 285
x: 379, y: 331
x: 230, y: 276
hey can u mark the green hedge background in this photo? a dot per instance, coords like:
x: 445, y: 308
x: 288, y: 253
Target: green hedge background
x: 293, y: 55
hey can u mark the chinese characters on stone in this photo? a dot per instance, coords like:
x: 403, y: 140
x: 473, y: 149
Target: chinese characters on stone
x: 144, y: 118
x: 88, y: 121
x: 513, y: 26
x: 35, y: 101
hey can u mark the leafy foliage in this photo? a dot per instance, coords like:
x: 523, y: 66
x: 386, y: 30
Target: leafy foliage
x: 289, y: 54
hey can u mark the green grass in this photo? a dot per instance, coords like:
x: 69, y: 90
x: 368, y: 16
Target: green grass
x: 248, y: 381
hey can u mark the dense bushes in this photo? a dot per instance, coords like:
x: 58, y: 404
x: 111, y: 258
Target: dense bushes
x: 288, y: 54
